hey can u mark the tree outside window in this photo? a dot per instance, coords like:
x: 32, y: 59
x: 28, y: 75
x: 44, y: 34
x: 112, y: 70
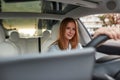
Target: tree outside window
x: 112, y: 19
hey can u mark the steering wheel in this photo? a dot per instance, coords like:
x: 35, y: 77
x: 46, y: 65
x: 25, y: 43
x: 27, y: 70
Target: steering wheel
x: 97, y: 40
x: 106, y: 68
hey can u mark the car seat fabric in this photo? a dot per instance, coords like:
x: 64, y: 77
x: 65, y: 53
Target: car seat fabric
x: 25, y: 45
x: 14, y: 36
x: 53, y: 37
x: 19, y: 42
x: 46, y: 36
x: 6, y: 48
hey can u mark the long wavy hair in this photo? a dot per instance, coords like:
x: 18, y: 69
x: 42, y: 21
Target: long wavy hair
x: 61, y: 38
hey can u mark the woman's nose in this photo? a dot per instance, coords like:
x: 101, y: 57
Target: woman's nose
x: 71, y: 31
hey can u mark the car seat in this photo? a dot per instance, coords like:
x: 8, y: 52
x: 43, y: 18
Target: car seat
x: 25, y: 45
x: 6, y: 48
x: 53, y: 37
x: 46, y: 36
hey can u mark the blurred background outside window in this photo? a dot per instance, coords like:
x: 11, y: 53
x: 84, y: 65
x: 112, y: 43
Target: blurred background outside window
x: 93, y: 22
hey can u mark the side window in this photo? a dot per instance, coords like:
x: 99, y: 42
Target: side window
x: 93, y: 22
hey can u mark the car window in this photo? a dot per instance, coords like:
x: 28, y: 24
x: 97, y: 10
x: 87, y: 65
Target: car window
x: 28, y: 28
x: 93, y: 22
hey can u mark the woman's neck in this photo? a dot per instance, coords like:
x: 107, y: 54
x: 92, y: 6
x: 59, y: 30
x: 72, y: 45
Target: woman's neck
x: 67, y: 43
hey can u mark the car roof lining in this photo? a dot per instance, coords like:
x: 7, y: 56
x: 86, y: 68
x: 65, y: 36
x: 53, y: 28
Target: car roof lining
x: 68, y: 9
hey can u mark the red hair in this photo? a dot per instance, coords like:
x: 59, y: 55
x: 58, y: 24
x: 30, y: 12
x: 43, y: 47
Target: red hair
x: 61, y: 38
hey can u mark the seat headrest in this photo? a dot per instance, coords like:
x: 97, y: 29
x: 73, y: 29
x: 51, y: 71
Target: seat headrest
x: 46, y: 33
x: 55, y: 30
x: 14, y: 36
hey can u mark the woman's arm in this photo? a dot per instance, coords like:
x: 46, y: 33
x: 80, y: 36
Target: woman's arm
x: 112, y: 32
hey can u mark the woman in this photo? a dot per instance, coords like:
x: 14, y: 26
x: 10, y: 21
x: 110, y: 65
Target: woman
x: 68, y: 35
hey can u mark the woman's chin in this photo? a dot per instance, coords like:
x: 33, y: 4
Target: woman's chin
x: 70, y: 38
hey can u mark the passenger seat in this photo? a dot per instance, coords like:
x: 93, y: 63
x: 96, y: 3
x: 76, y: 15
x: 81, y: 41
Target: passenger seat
x: 20, y: 43
x: 54, y: 35
x: 7, y: 49
x: 26, y: 45
x: 44, y: 38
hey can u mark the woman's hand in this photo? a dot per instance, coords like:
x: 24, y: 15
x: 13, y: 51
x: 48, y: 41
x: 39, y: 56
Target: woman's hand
x: 112, y: 32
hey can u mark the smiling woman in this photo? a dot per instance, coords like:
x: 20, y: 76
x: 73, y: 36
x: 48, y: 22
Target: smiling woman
x: 68, y: 36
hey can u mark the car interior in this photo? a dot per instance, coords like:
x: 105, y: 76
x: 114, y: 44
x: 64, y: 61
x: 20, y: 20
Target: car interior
x: 53, y: 66
x: 28, y: 27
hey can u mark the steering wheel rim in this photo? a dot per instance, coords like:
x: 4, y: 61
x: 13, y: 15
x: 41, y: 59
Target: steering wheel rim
x: 97, y: 40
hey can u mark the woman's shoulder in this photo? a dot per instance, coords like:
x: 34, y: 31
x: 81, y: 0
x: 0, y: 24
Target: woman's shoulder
x: 54, y: 44
x: 53, y: 47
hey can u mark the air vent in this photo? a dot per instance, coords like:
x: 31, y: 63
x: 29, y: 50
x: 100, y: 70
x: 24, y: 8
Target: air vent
x: 111, y: 5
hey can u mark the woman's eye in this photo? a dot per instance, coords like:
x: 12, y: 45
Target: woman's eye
x: 73, y: 29
x: 67, y: 28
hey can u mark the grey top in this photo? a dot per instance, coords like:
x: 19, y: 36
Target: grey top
x: 54, y: 47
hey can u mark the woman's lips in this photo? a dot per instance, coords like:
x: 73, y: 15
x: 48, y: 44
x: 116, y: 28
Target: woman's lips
x: 69, y: 35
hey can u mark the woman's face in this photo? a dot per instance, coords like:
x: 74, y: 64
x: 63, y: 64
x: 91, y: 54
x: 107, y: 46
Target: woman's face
x: 70, y: 30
